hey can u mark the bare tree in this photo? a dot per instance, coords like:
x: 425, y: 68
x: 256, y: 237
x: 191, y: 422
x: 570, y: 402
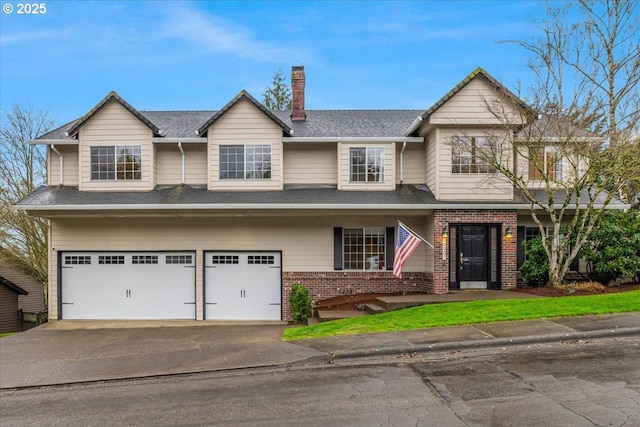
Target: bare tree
x: 23, y: 239
x: 278, y: 95
x: 578, y: 148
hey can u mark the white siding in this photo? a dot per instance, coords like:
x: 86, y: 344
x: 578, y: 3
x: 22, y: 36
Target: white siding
x: 472, y: 104
x: 245, y: 124
x: 389, y: 183
x: 169, y: 164
x: 70, y: 165
x: 309, y: 163
x: 115, y: 125
x: 414, y: 163
x: 306, y: 242
x: 468, y: 186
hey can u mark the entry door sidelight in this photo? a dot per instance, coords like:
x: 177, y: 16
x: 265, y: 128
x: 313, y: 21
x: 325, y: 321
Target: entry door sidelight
x: 473, y: 265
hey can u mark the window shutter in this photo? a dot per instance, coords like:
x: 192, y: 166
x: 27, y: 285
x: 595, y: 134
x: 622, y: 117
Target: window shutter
x: 519, y: 241
x: 390, y: 247
x: 337, y: 248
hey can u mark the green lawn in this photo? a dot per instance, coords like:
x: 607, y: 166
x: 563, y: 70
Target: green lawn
x: 465, y: 313
x: 7, y: 334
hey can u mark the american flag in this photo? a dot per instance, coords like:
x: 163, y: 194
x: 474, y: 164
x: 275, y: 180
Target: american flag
x: 405, y: 245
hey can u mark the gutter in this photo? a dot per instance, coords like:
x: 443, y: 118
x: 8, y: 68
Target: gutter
x: 55, y: 150
x: 414, y: 126
x: 352, y: 139
x: 53, y: 141
x: 178, y: 140
x: 281, y: 206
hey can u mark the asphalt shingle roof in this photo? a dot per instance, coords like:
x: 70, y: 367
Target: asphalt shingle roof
x: 294, y: 196
x: 319, y: 123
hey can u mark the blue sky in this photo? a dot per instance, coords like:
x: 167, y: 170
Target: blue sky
x: 181, y: 55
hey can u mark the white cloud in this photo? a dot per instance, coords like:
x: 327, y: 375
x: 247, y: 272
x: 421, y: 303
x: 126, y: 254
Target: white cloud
x: 216, y: 35
x: 31, y: 36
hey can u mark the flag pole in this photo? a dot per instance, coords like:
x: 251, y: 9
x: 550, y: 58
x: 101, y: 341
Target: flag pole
x: 416, y: 234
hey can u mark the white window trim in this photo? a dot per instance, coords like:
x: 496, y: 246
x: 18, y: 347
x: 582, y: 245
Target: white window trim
x: 115, y: 154
x: 366, y: 164
x: 244, y: 163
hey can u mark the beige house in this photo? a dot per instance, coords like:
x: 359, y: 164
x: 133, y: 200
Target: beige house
x: 213, y: 215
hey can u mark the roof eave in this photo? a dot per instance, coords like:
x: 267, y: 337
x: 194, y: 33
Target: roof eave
x: 112, y: 96
x: 288, y: 131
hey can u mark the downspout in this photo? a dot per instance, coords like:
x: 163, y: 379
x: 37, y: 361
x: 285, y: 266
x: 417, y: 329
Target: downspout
x: 404, y: 146
x: 55, y: 150
x: 183, y: 157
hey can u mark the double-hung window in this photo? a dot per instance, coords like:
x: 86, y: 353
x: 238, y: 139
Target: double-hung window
x: 245, y: 162
x: 470, y: 154
x: 119, y: 162
x: 364, y: 248
x: 366, y: 164
x: 544, y: 163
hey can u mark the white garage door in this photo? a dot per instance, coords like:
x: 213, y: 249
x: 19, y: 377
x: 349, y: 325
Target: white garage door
x: 243, y: 286
x: 128, y: 285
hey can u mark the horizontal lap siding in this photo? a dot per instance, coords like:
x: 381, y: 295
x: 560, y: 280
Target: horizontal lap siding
x: 70, y: 165
x: 310, y: 163
x: 469, y: 106
x: 468, y: 186
x: 245, y: 124
x: 306, y: 242
x: 413, y: 163
x: 169, y: 164
x: 34, y: 301
x: 8, y: 310
x: 431, y: 156
x: 389, y: 183
x: 115, y: 125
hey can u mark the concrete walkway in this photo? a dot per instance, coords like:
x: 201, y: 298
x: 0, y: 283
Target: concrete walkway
x: 66, y: 352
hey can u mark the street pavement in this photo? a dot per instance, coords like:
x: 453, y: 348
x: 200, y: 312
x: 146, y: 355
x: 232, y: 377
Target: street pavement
x: 67, y: 352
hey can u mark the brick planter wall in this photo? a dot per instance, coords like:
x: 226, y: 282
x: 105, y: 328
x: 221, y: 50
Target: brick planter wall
x: 327, y: 284
x: 508, y: 218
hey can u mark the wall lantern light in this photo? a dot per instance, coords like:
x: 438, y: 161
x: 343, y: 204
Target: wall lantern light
x: 445, y: 236
x: 507, y: 233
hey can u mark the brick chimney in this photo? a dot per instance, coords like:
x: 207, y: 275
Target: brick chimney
x: 297, y: 93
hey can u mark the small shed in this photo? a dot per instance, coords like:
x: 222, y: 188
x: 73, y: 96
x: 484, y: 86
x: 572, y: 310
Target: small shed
x: 34, y: 301
x: 9, y: 293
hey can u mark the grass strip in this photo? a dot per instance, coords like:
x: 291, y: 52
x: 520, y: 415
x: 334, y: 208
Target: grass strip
x: 467, y: 313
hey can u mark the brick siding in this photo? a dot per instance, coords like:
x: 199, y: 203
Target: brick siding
x: 508, y: 261
x: 327, y: 284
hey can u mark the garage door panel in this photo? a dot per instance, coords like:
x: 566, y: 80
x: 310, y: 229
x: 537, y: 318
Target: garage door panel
x: 243, y: 286
x: 121, y: 285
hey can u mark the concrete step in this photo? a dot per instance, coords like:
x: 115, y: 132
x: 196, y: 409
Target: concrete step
x: 398, y: 303
x: 374, y: 308
x: 327, y: 315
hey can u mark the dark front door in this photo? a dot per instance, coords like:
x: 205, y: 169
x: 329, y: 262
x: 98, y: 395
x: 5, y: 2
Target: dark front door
x: 473, y: 257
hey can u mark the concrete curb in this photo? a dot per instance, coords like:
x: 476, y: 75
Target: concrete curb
x: 322, y: 358
x: 487, y: 343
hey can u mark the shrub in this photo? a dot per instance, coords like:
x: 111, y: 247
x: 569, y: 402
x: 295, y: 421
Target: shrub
x: 535, y: 269
x: 613, y: 248
x: 300, y: 303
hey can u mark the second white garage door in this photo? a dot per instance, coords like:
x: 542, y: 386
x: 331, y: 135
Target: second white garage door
x: 243, y: 286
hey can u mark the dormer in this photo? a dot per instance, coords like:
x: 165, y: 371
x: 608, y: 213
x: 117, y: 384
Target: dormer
x: 115, y: 150
x: 244, y: 142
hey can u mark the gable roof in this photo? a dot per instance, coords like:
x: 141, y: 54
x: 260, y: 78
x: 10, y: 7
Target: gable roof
x: 244, y: 95
x: 478, y: 72
x: 15, y: 288
x: 111, y: 97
